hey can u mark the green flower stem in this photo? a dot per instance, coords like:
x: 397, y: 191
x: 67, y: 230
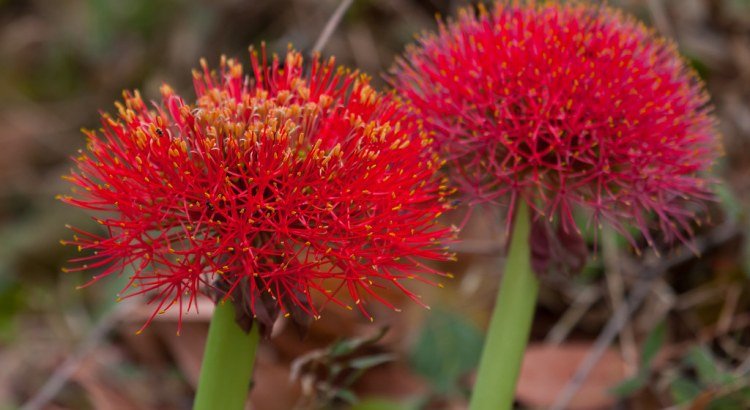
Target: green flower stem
x: 510, y: 324
x: 227, y: 362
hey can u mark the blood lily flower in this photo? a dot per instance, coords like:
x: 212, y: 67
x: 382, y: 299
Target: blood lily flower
x: 551, y: 109
x: 265, y: 190
x: 565, y: 107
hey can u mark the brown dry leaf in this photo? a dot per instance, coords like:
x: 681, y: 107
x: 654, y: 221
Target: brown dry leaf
x: 547, y: 369
x: 187, y: 347
x: 392, y: 380
x: 145, y: 347
x: 272, y: 389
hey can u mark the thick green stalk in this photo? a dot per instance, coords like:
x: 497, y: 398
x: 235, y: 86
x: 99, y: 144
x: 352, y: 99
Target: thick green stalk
x: 227, y: 362
x: 510, y: 324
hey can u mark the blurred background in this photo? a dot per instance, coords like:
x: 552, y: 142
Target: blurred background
x: 686, y: 345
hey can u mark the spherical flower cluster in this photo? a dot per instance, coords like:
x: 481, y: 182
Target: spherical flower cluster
x: 565, y: 106
x: 266, y: 190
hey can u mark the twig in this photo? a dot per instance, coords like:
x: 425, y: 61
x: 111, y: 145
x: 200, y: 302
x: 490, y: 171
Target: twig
x: 616, y: 288
x: 63, y: 372
x: 641, y: 289
x: 661, y: 20
x: 727, y: 311
x: 330, y: 26
x: 582, y: 303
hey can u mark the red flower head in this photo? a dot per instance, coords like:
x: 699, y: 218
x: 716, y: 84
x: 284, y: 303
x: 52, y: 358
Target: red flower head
x: 565, y: 106
x: 270, y: 189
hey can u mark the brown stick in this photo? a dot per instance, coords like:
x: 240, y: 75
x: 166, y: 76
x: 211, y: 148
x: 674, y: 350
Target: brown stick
x: 331, y: 25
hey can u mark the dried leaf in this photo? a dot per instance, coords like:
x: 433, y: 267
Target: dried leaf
x: 547, y: 369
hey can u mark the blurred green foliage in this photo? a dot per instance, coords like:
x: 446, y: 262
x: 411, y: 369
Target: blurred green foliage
x: 713, y: 387
x: 447, y: 348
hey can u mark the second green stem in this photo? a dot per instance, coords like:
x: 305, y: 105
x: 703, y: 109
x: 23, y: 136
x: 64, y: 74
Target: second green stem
x: 510, y: 324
